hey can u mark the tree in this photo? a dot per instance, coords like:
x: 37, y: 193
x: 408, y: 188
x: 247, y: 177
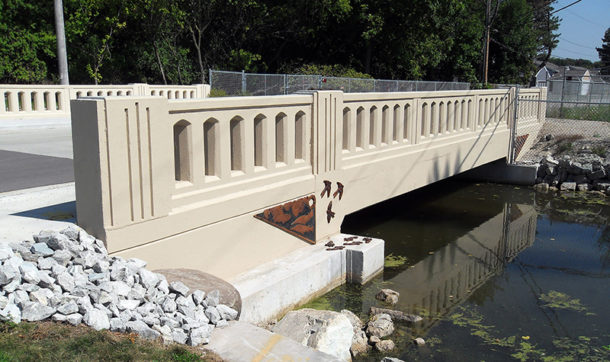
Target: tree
x: 514, y: 44
x: 604, y: 53
x: 27, y: 42
x: 545, y: 26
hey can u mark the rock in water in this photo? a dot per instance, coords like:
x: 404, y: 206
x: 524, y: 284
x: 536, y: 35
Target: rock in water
x: 388, y: 296
x: 360, y: 343
x: 380, y: 325
x: 386, y: 345
x: 327, y: 331
x: 419, y: 341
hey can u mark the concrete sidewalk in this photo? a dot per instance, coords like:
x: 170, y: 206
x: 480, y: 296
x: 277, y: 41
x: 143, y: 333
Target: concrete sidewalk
x: 24, y: 213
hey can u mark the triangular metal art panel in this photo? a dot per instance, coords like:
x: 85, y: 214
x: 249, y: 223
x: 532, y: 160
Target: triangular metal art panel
x: 297, y: 218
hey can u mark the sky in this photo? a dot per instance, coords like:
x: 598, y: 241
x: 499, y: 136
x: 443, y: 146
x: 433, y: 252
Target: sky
x: 582, y: 28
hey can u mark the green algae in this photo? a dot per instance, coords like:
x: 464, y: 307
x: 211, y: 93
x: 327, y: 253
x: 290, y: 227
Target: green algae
x: 557, y: 300
x: 394, y: 261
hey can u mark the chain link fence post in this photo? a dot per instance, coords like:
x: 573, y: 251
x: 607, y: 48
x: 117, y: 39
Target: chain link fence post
x: 513, y: 130
x: 243, y: 82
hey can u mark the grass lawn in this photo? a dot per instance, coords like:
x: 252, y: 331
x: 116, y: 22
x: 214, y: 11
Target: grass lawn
x: 49, y: 341
x: 589, y: 113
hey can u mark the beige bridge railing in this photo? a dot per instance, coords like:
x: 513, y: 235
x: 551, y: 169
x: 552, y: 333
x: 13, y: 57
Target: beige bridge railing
x: 22, y: 101
x: 178, y: 182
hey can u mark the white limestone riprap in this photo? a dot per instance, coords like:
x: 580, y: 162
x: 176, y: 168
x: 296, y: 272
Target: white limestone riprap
x: 68, y: 277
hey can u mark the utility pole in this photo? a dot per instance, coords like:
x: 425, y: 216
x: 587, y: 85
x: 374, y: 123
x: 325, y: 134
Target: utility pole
x: 62, y: 55
x: 486, y: 44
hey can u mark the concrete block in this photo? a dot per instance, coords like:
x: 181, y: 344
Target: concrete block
x: 241, y: 341
x: 364, y: 261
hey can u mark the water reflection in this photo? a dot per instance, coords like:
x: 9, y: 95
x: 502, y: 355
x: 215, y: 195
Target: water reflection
x: 451, y: 274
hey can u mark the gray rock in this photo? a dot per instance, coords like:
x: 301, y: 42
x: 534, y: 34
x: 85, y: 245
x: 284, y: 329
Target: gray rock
x: 360, y: 343
x: 179, y: 336
x: 3, y: 301
x: 74, y: 319
x: 58, y: 317
x: 101, y: 266
x: 221, y: 323
x: 213, y: 298
x: 62, y: 257
x: 29, y: 272
x: 44, y: 236
x: 41, y: 296
x: 198, y: 296
x: 419, y: 341
x: 129, y: 304
x: 136, y: 264
x: 169, y: 305
x: 165, y: 331
x: 148, y: 279
x: 12, y: 286
x: 582, y: 187
x: 96, y: 319
x: 8, y: 273
x: 11, y: 313
x: 66, y: 282
x: 72, y: 233
x: 46, y: 263
x: 326, y: 331
x: 98, y: 277
x: 41, y: 249
x: 163, y: 286
x: 28, y: 287
x: 33, y: 312
x: 46, y: 281
x: 68, y: 308
x: 388, y: 296
x: 391, y: 359
x: 386, y: 345
x: 212, y: 314
x: 226, y: 312
x: 20, y: 297
x: 141, y: 329
x: 120, y: 288
x: 568, y: 186
x: 178, y: 288
x: 200, y: 335
x: 6, y: 252
x: 117, y: 324
x: 14, y: 261
x: 380, y: 325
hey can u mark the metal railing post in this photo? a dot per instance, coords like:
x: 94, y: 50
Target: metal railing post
x: 210, y: 77
x: 243, y: 82
x: 513, y: 131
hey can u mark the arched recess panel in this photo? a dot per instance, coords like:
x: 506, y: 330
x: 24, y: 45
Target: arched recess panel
x: 395, y: 122
x: 385, y: 125
x: 360, y: 127
x: 280, y: 139
x: 347, y: 115
x: 182, y: 151
x: 259, y: 140
x: 372, y: 125
x: 299, y: 135
x: 211, y: 147
x: 237, y: 129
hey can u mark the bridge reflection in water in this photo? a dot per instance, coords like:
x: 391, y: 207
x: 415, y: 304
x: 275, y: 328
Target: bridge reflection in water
x: 446, y: 278
x: 446, y: 275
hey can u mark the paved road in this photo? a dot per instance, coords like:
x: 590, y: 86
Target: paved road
x: 20, y: 170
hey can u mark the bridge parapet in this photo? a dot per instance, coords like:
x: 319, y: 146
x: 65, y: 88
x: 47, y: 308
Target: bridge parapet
x: 156, y: 177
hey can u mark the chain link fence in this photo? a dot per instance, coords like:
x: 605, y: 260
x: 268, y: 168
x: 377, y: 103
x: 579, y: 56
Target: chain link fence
x: 593, y: 91
x: 571, y: 128
x: 250, y: 84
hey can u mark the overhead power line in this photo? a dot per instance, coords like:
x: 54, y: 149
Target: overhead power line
x: 565, y: 7
x: 575, y: 43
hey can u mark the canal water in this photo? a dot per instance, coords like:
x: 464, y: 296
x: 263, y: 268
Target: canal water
x: 498, y: 272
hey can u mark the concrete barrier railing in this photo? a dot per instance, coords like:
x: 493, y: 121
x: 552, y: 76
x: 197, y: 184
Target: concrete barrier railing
x: 158, y: 177
x: 18, y: 101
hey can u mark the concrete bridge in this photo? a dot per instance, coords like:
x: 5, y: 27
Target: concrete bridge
x: 224, y: 185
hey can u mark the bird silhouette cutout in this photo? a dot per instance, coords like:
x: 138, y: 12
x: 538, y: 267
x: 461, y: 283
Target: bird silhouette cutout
x: 329, y: 212
x: 327, y: 186
x: 339, y: 191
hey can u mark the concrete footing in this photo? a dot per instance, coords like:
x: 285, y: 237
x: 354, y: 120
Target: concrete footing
x: 276, y: 287
x: 501, y: 172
